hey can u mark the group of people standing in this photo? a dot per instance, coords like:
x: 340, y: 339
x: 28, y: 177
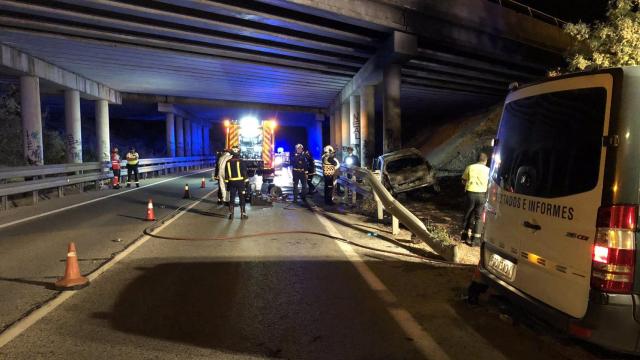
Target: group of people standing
x: 231, y: 173
x: 132, y: 158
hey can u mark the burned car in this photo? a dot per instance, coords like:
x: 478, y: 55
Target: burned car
x: 405, y: 170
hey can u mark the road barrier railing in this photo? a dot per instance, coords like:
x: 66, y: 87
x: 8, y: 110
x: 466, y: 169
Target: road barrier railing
x: 357, y: 180
x: 32, y: 179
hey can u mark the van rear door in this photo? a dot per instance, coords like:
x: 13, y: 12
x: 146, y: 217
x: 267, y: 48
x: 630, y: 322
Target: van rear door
x: 546, y: 188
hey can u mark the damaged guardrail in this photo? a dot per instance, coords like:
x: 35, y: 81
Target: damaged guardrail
x: 32, y: 179
x: 362, y: 181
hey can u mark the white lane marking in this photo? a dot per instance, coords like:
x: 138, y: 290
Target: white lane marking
x: 23, y: 324
x: 15, y: 222
x: 422, y: 340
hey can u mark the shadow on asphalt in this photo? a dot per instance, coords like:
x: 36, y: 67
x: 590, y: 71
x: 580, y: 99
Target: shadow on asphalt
x: 288, y: 309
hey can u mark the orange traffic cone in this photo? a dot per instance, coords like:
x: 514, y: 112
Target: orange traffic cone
x: 186, y: 192
x: 72, y: 279
x: 116, y: 182
x: 203, y: 184
x: 151, y: 216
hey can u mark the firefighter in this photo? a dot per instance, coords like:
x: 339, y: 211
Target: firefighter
x: 299, y: 170
x: 311, y: 171
x: 236, y: 180
x: 132, y: 166
x: 329, y: 166
x: 223, y: 191
x: 351, y: 159
x: 223, y: 157
x: 115, y: 167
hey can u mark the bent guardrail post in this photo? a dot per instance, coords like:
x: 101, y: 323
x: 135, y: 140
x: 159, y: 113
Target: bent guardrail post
x: 447, y: 250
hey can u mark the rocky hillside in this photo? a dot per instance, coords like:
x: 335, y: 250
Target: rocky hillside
x: 455, y: 143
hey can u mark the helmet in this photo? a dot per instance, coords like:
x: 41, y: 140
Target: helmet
x: 299, y: 147
x: 329, y: 149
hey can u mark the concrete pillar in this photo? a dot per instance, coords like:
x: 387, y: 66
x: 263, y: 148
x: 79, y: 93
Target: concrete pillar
x: 187, y: 137
x: 367, y: 125
x: 171, y: 134
x: 337, y: 128
x: 73, y: 126
x: 102, y: 131
x: 354, y: 123
x: 179, y: 136
x: 31, y: 120
x: 344, y: 128
x: 391, y: 120
x: 314, y: 136
x: 207, y: 138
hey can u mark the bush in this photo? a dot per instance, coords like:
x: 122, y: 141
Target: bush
x: 11, y: 145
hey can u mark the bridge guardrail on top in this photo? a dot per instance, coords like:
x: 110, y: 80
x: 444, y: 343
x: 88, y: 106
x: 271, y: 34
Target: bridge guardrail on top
x: 25, y: 179
x: 362, y: 181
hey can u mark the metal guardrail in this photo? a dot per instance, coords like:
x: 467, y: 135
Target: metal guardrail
x: 527, y: 10
x: 25, y: 179
x: 362, y: 181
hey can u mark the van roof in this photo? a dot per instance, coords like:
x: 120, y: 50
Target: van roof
x: 631, y: 70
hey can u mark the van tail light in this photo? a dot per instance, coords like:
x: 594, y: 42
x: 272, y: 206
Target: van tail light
x: 484, y: 215
x: 613, y: 256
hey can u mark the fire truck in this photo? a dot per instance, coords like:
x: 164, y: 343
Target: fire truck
x: 256, y: 140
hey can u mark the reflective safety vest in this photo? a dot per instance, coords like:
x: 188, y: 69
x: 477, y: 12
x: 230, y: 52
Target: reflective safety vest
x: 329, y: 165
x: 115, y: 161
x: 132, y: 158
x: 234, y: 171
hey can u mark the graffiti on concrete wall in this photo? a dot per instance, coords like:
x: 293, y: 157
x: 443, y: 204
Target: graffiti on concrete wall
x: 74, y: 148
x: 33, y: 145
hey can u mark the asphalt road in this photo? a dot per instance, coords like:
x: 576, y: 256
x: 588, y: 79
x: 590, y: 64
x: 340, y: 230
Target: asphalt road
x: 293, y: 296
x: 33, y: 253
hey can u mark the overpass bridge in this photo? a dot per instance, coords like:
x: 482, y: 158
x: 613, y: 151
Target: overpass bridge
x: 287, y: 282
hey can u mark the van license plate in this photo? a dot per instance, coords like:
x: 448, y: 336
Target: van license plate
x: 502, y: 266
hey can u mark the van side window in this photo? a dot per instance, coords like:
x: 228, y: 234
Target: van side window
x: 550, y: 144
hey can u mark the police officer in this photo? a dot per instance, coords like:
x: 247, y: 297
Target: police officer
x: 115, y: 167
x: 132, y: 166
x: 299, y: 166
x: 329, y: 166
x: 311, y: 171
x: 475, y: 179
x: 236, y: 180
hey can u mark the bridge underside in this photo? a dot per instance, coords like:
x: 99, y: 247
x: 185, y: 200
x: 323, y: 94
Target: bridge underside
x: 274, y: 52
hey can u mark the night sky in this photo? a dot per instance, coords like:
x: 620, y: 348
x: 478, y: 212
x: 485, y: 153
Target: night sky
x: 570, y: 10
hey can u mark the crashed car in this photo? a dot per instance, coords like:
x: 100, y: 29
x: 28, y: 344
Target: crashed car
x: 405, y: 170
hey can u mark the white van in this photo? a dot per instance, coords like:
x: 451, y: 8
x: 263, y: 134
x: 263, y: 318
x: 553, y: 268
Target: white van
x: 561, y: 217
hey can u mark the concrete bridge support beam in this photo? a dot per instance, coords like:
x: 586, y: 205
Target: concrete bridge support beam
x: 179, y: 136
x: 171, y: 134
x: 337, y: 128
x: 354, y: 124
x: 207, y: 139
x: 367, y: 125
x: 344, y: 126
x: 73, y: 126
x: 102, y: 131
x: 391, y: 109
x: 187, y: 137
x: 314, y: 136
x: 31, y: 120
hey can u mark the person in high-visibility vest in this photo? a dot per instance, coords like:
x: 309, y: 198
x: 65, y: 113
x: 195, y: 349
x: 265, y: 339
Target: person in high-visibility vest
x: 132, y: 166
x: 236, y: 180
x: 475, y: 179
x: 115, y: 167
x: 329, y: 167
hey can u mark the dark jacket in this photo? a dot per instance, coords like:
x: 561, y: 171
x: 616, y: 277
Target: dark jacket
x: 299, y: 163
x: 236, y: 170
x: 311, y: 165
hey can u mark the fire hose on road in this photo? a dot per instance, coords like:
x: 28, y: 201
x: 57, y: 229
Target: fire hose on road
x: 149, y: 231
